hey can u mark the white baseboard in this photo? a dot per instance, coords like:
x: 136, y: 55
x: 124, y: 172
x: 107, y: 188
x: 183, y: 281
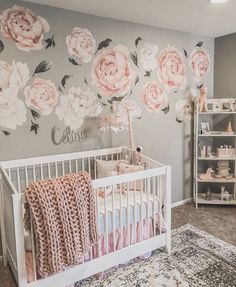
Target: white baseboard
x: 181, y: 202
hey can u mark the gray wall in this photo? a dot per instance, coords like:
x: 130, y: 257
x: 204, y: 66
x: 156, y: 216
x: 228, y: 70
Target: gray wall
x: 160, y: 135
x: 225, y: 67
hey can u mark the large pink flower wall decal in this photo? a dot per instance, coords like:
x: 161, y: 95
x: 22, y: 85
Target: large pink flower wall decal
x: 41, y: 95
x: 24, y: 27
x: 199, y: 63
x: 81, y: 44
x: 154, y: 97
x: 111, y: 71
x: 172, y: 69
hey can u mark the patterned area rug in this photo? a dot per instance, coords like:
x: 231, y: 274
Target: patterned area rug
x: 197, y: 259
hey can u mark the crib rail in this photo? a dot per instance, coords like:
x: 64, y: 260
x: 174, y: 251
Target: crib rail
x: 133, y: 212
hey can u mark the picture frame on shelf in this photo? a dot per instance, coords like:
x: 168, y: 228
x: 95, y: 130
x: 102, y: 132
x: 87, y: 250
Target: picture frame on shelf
x: 205, y: 128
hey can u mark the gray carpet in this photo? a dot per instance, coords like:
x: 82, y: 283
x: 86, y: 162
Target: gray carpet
x: 198, y: 259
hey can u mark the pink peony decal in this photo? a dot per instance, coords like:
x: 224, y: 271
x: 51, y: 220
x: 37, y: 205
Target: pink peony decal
x: 78, y: 104
x: 24, y: 27
x: 199, y: 63
x: 42, y: 95
x: 154, y: 97
x: 111, y: 72
x: 13, y: 78
x: 81, y: 44
x: 172, y: 69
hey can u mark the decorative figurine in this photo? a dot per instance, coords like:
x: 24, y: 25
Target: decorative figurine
x: 223, y: 169
x: 224, y: 194
x: 229, y: 128
x: 208, y: 194
x: 203, y: 99
x: 207, y: 175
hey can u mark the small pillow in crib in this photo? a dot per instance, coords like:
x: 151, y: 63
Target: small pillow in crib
x: 105, y: 167
x: 124, y: 168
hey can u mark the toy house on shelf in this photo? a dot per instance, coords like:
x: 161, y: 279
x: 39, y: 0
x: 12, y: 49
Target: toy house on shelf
x: 215, y: 153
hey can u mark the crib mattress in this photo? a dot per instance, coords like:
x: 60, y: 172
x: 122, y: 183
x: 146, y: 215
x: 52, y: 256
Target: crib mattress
x: 131, y: 212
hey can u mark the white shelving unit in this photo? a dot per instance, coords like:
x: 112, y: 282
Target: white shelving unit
x: 214, y: 184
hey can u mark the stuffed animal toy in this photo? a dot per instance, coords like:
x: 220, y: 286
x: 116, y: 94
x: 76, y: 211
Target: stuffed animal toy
x: 203, y: 99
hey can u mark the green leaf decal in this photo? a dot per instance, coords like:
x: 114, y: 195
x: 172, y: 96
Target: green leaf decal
x: 64, y: 80
x: 104, y: 44
x: 199, y: 44
x: 136, y: 80
x: 137, y: 41
x: 134, y: 58
x: 1, y: 46
x: 178, y: 121
x: 166, y: 109
x: 6, y: 133
x: 199, y: 87
x: 35, y: 114
x: 147, y: 74
x: 42, y: 67
x: 72, y: 61
x: 185, y: 53
x: 34, y: 127
x: 50, y: 42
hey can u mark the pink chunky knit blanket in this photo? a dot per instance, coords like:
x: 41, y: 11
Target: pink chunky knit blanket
x: 64, y: 220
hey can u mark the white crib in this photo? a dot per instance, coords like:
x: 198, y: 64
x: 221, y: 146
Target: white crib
x: 152, y: 203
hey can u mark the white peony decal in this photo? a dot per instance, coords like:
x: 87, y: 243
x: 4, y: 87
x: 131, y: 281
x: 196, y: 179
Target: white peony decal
x: 148, y: 55
x: 154, y: 96
x: 111, y: 72
x: 172, y: 69
x: 77, y: 105
x: 81, y: 44
x: 184, y: 110
x: 199, y: 63
x: 41, y: 95
x: 23, y: 27
x: 13, y: 78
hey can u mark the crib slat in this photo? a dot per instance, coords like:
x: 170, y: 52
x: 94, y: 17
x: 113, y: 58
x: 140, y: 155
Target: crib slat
x: 82, y: 163
x: 128, y: 213
x: 95, y: 168
x: 160, y: 204
x: 49, y: 171
x: 148, y: 204
x: 106, y: 224
x: 154, y: 204
x: 113, y: 218
x: 34, y: 173
x: 89, y: 166
x: 76, y: 165
x: 41, y: 171
x: 69, y: 166
x: 18, y: 180
x: 135, y: 209
x: 121, y: 206
x: 56, y: 169
x: 26, y: 176
x: 98, y: 221
x: 141, y: 214
x: 63, y: 168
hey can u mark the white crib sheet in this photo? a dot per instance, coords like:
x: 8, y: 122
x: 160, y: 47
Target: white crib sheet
x: 134, y: 204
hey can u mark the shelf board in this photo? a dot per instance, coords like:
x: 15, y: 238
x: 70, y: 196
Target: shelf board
x: 217, y: 135
x: 216, y: 113
x: 218, y: 180
x: 217, y: 158
x: 215, y: 200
